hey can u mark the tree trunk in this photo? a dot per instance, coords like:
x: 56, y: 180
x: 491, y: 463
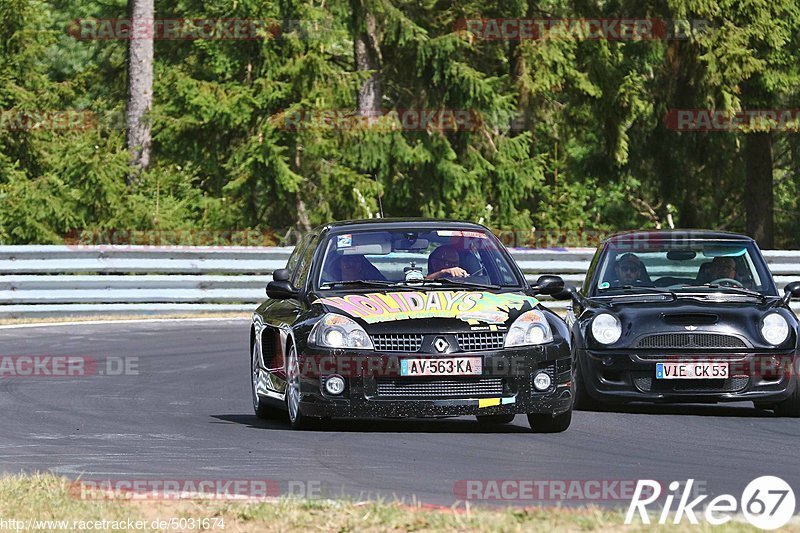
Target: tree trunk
x: 758, y: 196
x: 368, y: 58
x: 367, y: 52
x: 140, y: 86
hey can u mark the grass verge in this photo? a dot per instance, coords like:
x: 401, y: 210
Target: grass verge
x: 45, y: 497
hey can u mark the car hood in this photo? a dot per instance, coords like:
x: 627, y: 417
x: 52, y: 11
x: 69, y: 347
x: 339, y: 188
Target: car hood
x: 437, y: 309
x: 737, y: 318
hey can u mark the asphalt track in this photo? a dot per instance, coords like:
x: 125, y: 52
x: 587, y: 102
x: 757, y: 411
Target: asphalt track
x: 185, y: 413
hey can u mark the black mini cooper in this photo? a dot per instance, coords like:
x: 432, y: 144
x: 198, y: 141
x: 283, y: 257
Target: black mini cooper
x: 688, y: 316
x: 409, y: 318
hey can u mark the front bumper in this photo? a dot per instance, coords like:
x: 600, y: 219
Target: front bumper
x: 374, y: 387
x: 627, y: 376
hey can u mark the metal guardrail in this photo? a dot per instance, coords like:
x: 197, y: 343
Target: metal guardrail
x: 101, y: 280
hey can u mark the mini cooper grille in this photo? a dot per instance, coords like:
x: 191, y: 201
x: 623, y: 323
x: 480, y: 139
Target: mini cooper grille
x: 724, y: 357
x: 475, y: 342
x: 690, y: 340
x: 648, y: 384
x: 440, y: 388
x: 397, y: 343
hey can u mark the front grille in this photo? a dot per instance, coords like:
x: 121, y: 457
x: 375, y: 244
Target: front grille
x: 690, y: 340
x: 716, y: 358
x: 406, y: 342
x: 649, y: 384
x: 440, y: 388
x: 475, y: 342
x: 733, y: 384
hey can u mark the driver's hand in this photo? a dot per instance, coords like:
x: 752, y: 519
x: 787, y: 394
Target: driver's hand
x: 455, y: 272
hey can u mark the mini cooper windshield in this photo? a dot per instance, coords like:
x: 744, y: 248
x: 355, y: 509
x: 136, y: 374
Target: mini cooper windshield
x: 690, y: 266
x: 414, y: 257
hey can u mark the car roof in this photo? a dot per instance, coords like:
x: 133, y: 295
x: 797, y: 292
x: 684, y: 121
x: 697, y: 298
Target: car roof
x: 395, y: 223
x: 683, y: 234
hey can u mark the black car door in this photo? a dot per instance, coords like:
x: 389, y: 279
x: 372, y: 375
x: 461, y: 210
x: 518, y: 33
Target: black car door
x: 279, y: 316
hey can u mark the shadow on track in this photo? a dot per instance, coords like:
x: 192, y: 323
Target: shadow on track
x: 738, y: 409
x: 383, y: 425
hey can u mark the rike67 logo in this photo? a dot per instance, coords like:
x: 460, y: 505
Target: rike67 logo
x: 767, y: 502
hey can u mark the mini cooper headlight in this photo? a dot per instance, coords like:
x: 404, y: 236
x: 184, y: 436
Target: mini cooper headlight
x: 338, y: 331
x: 774, y: 329
x: 528, y: 329
x: 606, y: 328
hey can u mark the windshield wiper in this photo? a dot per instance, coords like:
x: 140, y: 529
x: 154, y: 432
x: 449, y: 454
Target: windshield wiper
x: 361, y: 282
x: 457, y: 282
x: 738, y: 290
x: 629, y: 288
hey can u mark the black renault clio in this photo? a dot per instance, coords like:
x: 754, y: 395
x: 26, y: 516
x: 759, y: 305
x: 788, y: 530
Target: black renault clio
x: 409, y: 318
x: 690, y: 316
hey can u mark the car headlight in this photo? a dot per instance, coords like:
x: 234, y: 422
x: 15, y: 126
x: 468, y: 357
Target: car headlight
x: 338, y: 331
x: 774, y: 329
x: 529, y: 328
x: 606, y: 328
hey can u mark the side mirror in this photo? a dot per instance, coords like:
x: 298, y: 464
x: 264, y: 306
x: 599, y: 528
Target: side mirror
x: 792, y: 290
x: 282, y: 274
x: 280, y: 288
x: 548, y: 285
x: 569, y: 292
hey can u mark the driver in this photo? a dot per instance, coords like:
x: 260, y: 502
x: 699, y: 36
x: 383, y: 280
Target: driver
x: 351, y: 268
x: 629, y: 269
x: 445, y: 261
x: 723, y: 268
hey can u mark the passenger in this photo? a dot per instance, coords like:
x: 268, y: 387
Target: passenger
x: 445, y: 261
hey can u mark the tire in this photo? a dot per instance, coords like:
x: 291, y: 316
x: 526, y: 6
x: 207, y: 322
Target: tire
x: 297, y: 420
x: 261, y: 408
x: 495, y: 420
x: 544, y: 423
x: 790, y: 407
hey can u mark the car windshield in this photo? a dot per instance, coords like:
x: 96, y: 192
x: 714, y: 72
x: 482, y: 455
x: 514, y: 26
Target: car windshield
x: 435, y: 257
x: 681, y: 267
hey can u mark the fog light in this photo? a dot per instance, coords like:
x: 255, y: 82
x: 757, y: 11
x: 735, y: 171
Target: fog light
x: 608, y: 360
x: 334, y: 385
x: 541, y: 381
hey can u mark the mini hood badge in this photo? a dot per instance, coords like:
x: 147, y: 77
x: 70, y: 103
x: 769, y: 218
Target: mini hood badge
x: 690, y: 328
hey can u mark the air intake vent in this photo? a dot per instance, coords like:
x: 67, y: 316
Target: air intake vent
x: 690, y: 340
x: 690, y: 319
x: 440, y: 388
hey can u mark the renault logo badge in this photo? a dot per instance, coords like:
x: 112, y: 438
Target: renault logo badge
x: 441, y: 345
